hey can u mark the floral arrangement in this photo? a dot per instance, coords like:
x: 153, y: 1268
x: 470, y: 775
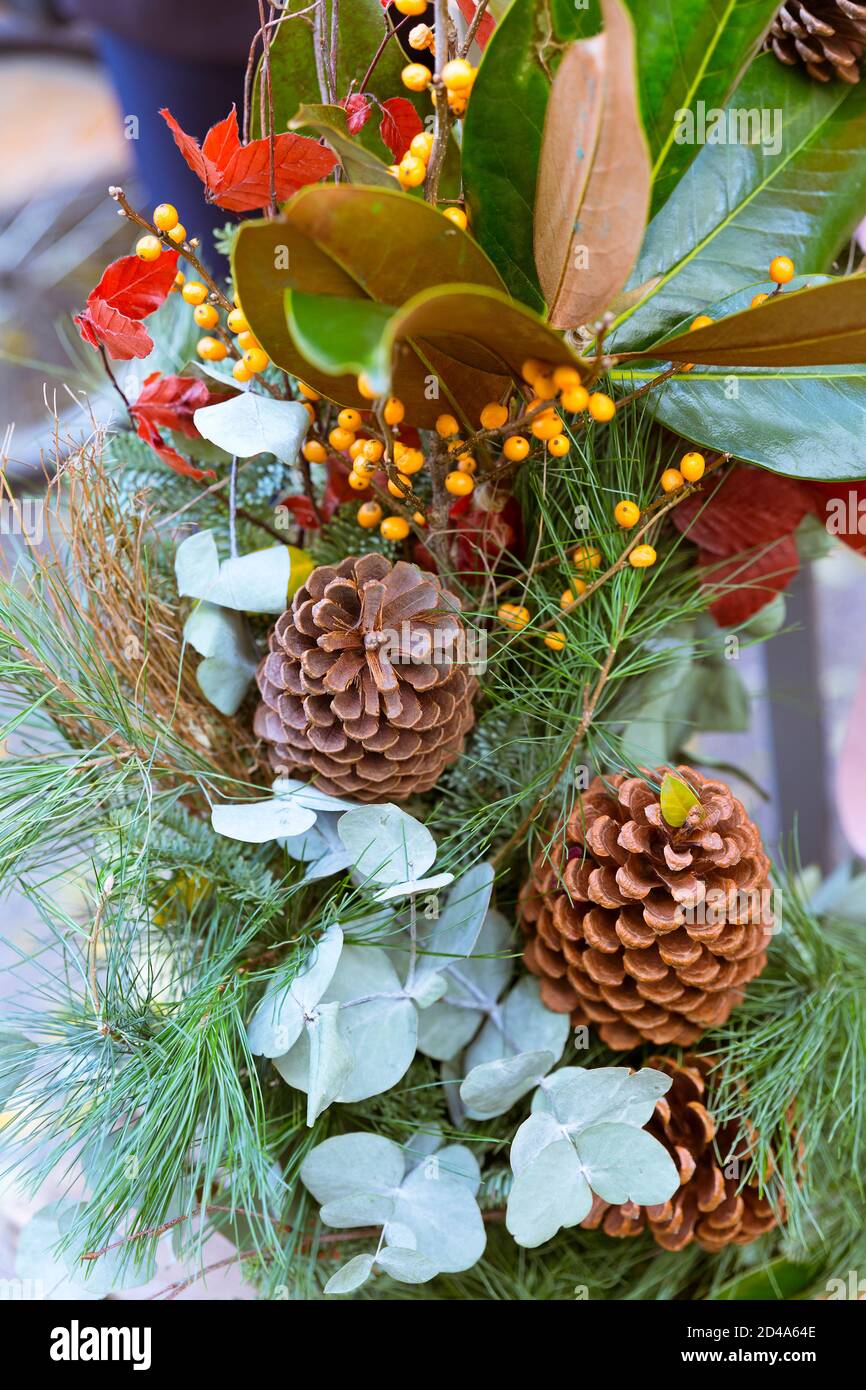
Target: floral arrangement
x: 356, y: 680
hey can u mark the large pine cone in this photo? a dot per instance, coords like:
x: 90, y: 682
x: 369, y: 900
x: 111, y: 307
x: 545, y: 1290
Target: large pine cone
x: 827, y: 38
x: 363, y: 692
x: 709, y: 1207
x: 648, y: 931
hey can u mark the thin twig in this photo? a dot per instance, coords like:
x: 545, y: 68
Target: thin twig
x: 113, y: 379
x: 233, y: 507
x: 480, y: 12
x: 440, y: 103
x: 186, y: 250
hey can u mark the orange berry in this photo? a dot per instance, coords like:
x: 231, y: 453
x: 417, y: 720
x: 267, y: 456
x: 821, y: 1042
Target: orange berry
x: 349, y: 420
x: 419, y: 518
x: 458, y: 217
x: 421, y: 145
x: 586, y: 557
x: 394, y: 409
x: 416, y: 77
x: 446, y: 426
x: 566, y: 378
x: 246, y: 340
x: 758, y: 299
x: 374, y: 449
x: 569, y: 595
x: 410, y: 7
x: 532, y: 368
x: 180, y: 279
x: 256, y: 359
x: 642, y: 557
x: 206, y: 315
x: 626, y: 514
x: 369, y: 514
x: 494, y: 416
x: 516, y: 447
x: 395, y: 528
x: 148, y: 248
x: 357, y: 449
x: 457, y: 104
x: 314, y: 452
x: 692, y: 467
x: 702, y: 321
x: 671, y: 480
x: 237, y: 321
x: 341, y: 439
x: 559, y: 445
x: 194, y: 292
x: 211, y: 349
x: 601, y: 407
x: 781, y: 269
x: 546, y: 426
x: 544, y: 387
x: 555, y: 640
x: 365, y: 387
x: 165, y: 217
x: 457, y: 75
x: 514, y: 616
x: 359, y: 481
x: 411, y: 460
x: 240, y: 373
x: 411, y: 172
x: 459, y: 484
x: 304, y: 389
x: 399, y: 488
x: 177, y: 234
x: 575, y: 399
x: 466, y: 464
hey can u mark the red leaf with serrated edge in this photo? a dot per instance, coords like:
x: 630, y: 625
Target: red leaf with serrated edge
x: 485, y: 29
x: 400, y: 124
x: 746, y: 584
x: 129, y: 290
x: 238, y: 177
x: 170, y: 401
x: 302, y: 510
x: 357, y: 108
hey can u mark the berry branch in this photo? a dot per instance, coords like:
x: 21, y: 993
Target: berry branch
x: 186, y: 248
x: 442, y: 125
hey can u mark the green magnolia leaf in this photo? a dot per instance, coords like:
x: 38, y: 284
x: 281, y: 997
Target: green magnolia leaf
x: 351, y: 1275
x: 820, y: 325
x: 331, y: 123
x: 341, y: 336
x: 503, y: 132
x: 677, y: 799
x: 741, y: 204
x: 690, y: 53
x: 806, y: 422
x: 374, y: 245
x: 594, y: 157
x: 625, y: 1164
x: 549, y: 1193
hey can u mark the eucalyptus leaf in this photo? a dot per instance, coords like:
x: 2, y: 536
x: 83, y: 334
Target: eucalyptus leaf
x: 251, y: 424
x: 474, y: 986
x: 625, y: 1164
x: 387, y: 845
x: 582, y: 1096
x: 351, y: 1275
x: 493, y: 1087
x: 351, y: 1163
x: 224, y: 640
x: 443, y: 1216
x: 279, y: 1018
x: 407, y: 1266
x: 358, y: 1209
x: 17, y: 1054
x: 521, y: 1024
x: 256, y: 822
x: 331, y: 1061
x: 549, y: 1193
x: 413, y: 886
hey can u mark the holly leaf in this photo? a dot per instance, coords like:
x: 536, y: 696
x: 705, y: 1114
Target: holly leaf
x: 677, y: 799
x: 128, y: 291
x: 399, y: 126
x: 239, y: 177
x: 594, y: 177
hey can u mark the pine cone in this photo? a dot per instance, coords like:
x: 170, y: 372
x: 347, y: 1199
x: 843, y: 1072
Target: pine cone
x: 648, y: 931
x: 362, y: 691
x: 827, y: 38
x: 709, y: 1206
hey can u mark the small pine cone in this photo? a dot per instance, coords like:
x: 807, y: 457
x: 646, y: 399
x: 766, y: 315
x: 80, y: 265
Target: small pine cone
x: 363, y: 692
x: 647, y: 931
x: 827, y: 38
x: 710, y: 1206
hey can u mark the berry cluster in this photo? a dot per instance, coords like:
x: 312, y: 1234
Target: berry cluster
x: 457, y: 76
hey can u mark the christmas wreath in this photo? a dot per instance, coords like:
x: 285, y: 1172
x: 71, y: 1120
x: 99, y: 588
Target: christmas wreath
x: 355, y: 678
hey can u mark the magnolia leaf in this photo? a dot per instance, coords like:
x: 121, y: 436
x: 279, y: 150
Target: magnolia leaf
x: 522, y: 1024
x: 358, y: 1209
x: 256, y: 822
x: 351, y: 1275
x: 331, y: 1061
x: 549, y: 1193
x: 386, y: 844
x: 413, y: 886
x: 822, y: 324
x: 378, y: 1025
x: 407, y: 1266
x: 594, y: 177
x: 331, y: 123
x: 279, y: 1018
x: 351, y: 1163
x: 493, y: 1087
x: 582, y: 1096
x: 251, y: 424
x: 223, y: 639
x: 625, y: 1164
x: 677, y: 800
x: 341, y: 336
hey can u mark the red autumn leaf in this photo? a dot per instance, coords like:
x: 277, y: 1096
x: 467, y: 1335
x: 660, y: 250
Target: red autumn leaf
x: 238, y: 177
x: 129, y: 290
x: 170, y: 401
x: 745, y: 584
x: 302, y: 510
x: 485, y: 29
x: 480, y: 533
x: 400, y: 124
x: 357, y: 108
x: 841, y: 507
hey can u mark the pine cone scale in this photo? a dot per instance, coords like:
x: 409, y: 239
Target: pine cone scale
x: 828, y: 38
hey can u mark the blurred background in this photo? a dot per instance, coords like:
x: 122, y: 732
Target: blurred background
x: 80, y: 86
